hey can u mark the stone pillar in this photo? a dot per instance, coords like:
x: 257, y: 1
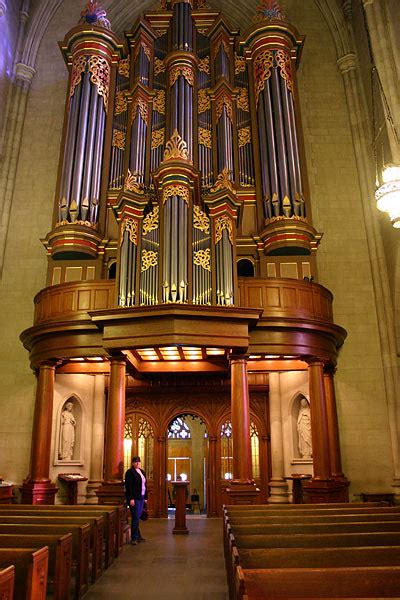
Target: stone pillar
x: 112, y: 488
x: 37, y: 488
x: 242, y: 488
x: 278, y: 487
x: 97, y: 445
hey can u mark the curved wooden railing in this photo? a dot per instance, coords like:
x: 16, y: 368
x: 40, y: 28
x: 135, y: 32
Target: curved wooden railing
x: 280, y: 298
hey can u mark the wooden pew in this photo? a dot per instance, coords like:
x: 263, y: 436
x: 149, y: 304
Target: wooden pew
x: 320, y: 540
x: 341, y: 582
x: 231, y: 508
x: 60, y: 557
x: 7, y: 577
x: 30, y: 571
x: 96, y: 529
x: 337, y: 518
x: 110, y: 520
x: 304, y: 528
x: 320, y: 511
x: 80, y: 546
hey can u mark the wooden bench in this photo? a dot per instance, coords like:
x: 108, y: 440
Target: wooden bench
x: 60, y: 557
x: 303, y: 528
x: 96, y: 532
x: 30, y: 571
x: 110, y: 521
x: 7, y: 577
x: 231, y: 508
x: 337, y: 518
x: 343, y: 582
x: 80, y: 546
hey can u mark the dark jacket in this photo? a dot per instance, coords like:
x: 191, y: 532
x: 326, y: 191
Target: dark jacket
x: 133, y: 485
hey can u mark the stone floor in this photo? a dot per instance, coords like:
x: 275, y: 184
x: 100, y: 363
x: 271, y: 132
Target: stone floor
x: 168, y: 566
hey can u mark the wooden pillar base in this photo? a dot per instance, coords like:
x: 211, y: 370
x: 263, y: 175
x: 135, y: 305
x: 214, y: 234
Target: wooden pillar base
x: 326, y: 491
x: 242, y: 492
x: 35, y: 492
x: 111, y: 493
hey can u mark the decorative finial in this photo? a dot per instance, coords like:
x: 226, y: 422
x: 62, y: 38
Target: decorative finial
x: 93, y: 14
x: 176, y: 147
x: 224, y: 183
x: 269, y: 10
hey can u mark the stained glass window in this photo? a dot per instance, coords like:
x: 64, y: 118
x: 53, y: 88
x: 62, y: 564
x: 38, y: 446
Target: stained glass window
x: 179, y: 430
x: 226, y: 451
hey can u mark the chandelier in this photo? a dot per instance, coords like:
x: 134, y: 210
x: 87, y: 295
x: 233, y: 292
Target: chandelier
x: 387, y: 195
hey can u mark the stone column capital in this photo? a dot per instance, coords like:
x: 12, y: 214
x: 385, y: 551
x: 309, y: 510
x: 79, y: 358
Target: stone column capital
x: 347, y: 63
x: 367, y: 3
x: 24, y: 73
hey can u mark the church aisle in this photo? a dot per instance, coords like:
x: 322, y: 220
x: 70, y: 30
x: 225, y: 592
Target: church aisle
x: 168, y: 566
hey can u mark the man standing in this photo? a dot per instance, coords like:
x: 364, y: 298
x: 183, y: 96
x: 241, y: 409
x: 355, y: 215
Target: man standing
x: 136, y: 497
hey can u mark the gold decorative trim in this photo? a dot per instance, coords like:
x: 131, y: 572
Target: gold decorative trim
x: 146, y: 50
x: 149, y: 259
x: 223, y: 182
x: 100, y: 76
x: 200, y: 220
x: 225, y: 45
x: 263, y: 64
x: 159, y: 66
x: 243, y: 100
x: 124, y: 67
x: 78, y: 67
x: 186, y: 72
x: 202, y: 258
x: 205, y: 137
x: 159, y: 101
x: 204, y: 101
x: 157, y: 138
x: 224, y: 100
x: 176, y: 190
x: 240, y: 64
x: 131, y: 183
x: 285, y: 66
x: 244, y: 135
x: 119, y: 138
x: 150, y: 222
x: 121, y: 103
x: 140, y: 105
x: 131, y: 226
x: 222, y: 223
x: 204, y: 65
x: 176, y: 147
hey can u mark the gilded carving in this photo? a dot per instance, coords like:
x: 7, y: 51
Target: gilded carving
x: 159, y: 101
x: 100, y: 76
x: 220, y: 43
x: 121, y: 103
x: 240, y: 64
x: 205, y: 137
x: 159, y: 66
x: 285, y: 67
x: 204, y: 101
x: 204, y: 65
x: 149, y: 259
x: 269, y: 10
x: 224, y: 101
x: 118, y: 140
x: 200, y: 220
x: 186, y: 72
x: 223, y: 182
x: 123, y: 67
x: 78, y: 68
x: 244, y: 136
x: 146, y: 50
x: 243, y: 100
x: 157, y: 138
x: 140, y: 105
x: 176, y: 190
x: 262, y: 70
x: 202, y: 258
x: 150, y: 222
x: 131, y: 226
x: 176, y: 147
x: 131, y: 183
x: 222, y: 223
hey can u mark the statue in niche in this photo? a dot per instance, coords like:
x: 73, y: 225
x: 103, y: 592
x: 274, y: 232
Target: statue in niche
x: 304, y: 429
x: 67, y: 432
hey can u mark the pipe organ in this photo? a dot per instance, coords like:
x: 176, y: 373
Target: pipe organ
x: 178, y: 130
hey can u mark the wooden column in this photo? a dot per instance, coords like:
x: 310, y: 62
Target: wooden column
x: 213, y: 480
x: 242, y: 488
x: 322, y: 487
x: 112, y: 489
x: 162, y: 510
x: 37, y: 488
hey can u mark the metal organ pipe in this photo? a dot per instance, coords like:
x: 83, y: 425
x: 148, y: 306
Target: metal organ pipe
x: 66, y: 176
x: 80, y: 142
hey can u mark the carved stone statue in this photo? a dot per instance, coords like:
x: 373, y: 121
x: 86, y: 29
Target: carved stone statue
x: 67, y: 432
x: 304, y: 429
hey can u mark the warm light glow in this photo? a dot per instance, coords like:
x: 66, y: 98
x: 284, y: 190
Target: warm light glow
x: 228, y: 476
x: 271, y: 356
x: 387, y: 196
x: 215, y: 351
x: 183, y: 476
x: 169, y: 477
x: 127, y: 444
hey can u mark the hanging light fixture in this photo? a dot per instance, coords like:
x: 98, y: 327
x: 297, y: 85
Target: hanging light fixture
x: 387, y: 195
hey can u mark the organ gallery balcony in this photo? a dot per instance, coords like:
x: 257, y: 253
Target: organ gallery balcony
x: 275, y: 317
